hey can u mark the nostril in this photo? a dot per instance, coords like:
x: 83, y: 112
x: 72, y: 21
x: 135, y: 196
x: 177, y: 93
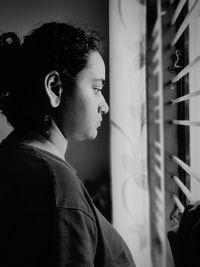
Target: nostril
x: 101, y: 110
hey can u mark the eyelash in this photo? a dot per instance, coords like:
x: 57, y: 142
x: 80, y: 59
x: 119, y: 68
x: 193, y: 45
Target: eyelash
x: 97, y: 90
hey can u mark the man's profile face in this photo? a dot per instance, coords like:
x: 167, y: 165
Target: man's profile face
x: 82, y: 112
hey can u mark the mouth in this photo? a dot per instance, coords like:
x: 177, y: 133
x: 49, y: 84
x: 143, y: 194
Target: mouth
x: 99, y: 123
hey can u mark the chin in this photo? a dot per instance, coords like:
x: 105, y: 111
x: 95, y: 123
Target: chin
x: 88, y: 136
x: 91, y: 135
x: 94, y: 135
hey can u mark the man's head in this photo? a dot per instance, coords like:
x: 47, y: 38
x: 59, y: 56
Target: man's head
x: 51, y: 57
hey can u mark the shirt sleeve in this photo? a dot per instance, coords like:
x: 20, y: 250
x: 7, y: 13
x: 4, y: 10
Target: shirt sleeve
x: 77, y: 238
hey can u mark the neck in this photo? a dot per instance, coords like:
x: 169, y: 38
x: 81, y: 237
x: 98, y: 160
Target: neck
x: 56, y: 144
x: 57, y: 140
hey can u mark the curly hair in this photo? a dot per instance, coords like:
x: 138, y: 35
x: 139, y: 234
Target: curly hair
x: 23, y: 66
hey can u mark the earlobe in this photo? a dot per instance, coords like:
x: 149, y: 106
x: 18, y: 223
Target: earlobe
x: 53, y: 87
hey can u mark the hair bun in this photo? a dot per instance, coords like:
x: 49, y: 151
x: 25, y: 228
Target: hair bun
x: 9, y: 64
x: 9, y: 40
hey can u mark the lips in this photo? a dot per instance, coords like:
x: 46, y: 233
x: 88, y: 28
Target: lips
x: 99, y: 123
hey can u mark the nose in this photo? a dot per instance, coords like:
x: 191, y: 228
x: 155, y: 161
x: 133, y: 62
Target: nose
x: 103, y: 107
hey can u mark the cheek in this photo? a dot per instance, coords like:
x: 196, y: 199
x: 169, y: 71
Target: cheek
x: 88, y: 105
x: 82, y: 109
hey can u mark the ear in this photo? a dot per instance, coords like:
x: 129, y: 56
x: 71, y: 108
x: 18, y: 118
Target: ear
x: 53, y: 88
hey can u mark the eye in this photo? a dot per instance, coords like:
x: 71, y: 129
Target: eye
x: 97, y: 90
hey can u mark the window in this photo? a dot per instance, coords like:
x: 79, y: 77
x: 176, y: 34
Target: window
x: 173, y: 89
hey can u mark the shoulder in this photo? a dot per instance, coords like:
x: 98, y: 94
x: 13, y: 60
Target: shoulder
x: 20, y: 160
x: 24, y: 179
x: 70, y: 192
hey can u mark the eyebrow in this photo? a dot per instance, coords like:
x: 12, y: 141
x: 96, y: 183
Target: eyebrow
x: 100, y: 80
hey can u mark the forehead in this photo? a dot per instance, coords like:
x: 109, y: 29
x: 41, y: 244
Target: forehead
x: 95, y: 66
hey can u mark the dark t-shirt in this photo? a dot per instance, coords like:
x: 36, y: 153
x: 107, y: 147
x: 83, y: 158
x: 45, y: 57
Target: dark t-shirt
x: 47, y: 216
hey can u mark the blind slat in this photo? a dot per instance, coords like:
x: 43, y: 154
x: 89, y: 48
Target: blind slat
x: 156, y: 94
x: 178, y: 203
x: 186, y: 168
x: 158, y: 157
x: 157, y: 144
x: 186, y: 70
x: 184, y: 24
x: 157, y: 121
x: 183, y: 188
x: 178, y: 11
x: 155, y: 58
x: 186, y: 123
x: 156, y: 108
x: 185, y: 97
x: 155, y: 29
x: 158, y: 171
x: 156, y: 70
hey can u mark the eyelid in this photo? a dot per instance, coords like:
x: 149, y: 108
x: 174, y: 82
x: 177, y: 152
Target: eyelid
x: 98, y: 89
